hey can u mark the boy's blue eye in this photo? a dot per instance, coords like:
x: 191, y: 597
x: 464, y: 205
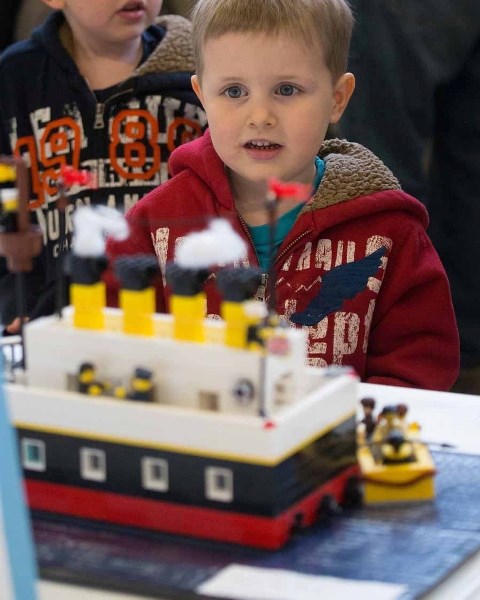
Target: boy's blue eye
x: 286, y: 89
x: 234, y: 91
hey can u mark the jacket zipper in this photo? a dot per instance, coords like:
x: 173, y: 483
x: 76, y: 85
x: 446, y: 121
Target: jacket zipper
x: 99, y: 122
x: 262, y: 288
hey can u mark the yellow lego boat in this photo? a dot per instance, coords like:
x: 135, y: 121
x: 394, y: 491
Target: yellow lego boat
x: 400, y: 475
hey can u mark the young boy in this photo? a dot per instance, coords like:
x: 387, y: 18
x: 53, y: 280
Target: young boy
x: 97, y: 87
x: 354, y: 264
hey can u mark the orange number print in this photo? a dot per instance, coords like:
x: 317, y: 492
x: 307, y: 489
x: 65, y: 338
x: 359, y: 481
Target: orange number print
x: 134, y: 131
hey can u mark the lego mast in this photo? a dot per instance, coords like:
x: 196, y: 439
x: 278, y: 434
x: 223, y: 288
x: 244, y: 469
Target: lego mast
x: 277, y: 191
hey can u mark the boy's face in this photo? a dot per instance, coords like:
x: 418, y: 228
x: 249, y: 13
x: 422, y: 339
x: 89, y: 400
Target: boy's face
x: 111, y: 21
x: 269, y: 101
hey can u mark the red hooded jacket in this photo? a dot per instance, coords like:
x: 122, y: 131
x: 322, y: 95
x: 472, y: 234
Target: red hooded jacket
x: 357, y: 267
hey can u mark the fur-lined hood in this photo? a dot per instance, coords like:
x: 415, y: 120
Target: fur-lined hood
x: 174, y: 52
x: 351, y: 170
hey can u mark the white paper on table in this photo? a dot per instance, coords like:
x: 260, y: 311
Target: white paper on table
x: 242, y: 582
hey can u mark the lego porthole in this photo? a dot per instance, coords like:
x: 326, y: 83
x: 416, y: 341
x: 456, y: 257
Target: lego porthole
x: 155, y: 474
x: 93, y: 464
x: 33, y: 455
x: 219, y: 484
x: 243, y: 391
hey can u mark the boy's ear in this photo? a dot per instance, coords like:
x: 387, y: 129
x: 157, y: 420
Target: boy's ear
x: 55, y: 4
x: 342, y: 92
x: 196, y: 87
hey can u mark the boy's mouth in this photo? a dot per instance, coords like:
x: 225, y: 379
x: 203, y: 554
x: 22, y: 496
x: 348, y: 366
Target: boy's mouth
x: 261, y: 145
x: 133, y: 7
x: 262, y: 150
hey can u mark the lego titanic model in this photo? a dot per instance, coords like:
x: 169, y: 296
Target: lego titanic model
x: 175, y: 423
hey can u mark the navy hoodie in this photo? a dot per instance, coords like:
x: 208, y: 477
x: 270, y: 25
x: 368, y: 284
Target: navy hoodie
x: 123, y: 134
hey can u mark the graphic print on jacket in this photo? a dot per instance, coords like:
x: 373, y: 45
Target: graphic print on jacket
x: 335, y: 304
x: 343, y: 282
x: 142, y: 137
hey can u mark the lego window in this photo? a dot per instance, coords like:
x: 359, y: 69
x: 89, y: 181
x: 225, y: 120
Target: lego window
x: 219, y: 484
x: 155, y: 474
x: 33, y: 455
x: 284, y: 389
x: 93, y: 465
x: 208, y: 400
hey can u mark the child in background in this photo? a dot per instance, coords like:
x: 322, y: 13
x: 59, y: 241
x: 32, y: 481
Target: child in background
x: 98, y: 86
x: 353, y: 263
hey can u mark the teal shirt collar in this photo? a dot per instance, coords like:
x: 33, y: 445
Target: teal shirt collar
x: 260, y: 234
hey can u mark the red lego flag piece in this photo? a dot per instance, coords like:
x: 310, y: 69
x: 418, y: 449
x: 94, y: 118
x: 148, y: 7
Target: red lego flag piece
x: 70, y: 176
x: 292, y: 190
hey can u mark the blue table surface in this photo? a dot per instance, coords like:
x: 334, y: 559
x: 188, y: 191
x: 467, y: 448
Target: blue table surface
x: 417, y: 545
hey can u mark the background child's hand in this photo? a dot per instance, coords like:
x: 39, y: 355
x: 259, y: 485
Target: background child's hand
x: 14, y: 326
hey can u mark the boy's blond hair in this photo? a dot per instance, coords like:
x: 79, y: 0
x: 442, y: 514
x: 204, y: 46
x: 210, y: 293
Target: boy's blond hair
x: 324, y: 23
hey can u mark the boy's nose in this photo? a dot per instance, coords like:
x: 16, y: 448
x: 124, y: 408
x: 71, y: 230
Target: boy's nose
x: 261, y: 115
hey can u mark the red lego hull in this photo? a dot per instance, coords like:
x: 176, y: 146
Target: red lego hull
x: 239, y: 528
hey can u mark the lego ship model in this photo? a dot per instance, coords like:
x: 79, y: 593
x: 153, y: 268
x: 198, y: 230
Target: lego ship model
x: 175, y: 423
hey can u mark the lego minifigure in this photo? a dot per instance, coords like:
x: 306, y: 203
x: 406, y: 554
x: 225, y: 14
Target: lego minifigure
x: 387, y: 423
x: 369, y: 421
x: 87, y: 381
x: 141, y: 385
